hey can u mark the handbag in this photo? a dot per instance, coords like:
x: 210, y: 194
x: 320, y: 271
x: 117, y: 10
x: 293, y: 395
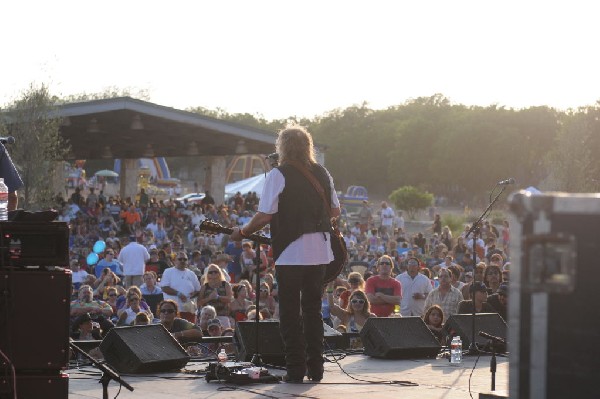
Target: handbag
x: 338, y: 245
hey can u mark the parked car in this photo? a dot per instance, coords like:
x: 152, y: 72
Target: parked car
x: 191, y: 198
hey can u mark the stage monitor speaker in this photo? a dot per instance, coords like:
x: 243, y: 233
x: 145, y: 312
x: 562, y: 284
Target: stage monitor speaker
x: 398, y: 338
x: 461, y: 324
x: 143, y: 349
x: 270, y: 343
x: 34, y: 319
x: 36, y: 386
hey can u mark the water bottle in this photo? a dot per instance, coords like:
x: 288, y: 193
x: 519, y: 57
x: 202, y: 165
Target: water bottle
x: 456, y: 350
x: 222, y: 356
x: 3, y: 200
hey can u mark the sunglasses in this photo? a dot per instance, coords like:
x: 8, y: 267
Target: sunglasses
x: 354, y: 281
x: 385, y: 263
x: 167, y: 311
x: 112, y: 294
x: 110, y: 253
x: 182, y: 259
x: 361, y: 301
x: 212, y: 272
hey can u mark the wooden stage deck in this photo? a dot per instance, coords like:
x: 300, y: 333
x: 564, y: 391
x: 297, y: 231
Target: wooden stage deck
x: 366, y: 378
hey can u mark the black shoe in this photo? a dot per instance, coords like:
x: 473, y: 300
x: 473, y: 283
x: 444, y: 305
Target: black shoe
x: 291, y: 380
x: 316, y: 376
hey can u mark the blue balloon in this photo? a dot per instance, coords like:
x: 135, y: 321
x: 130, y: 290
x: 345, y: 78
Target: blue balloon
x: 99, y: 246
x: 92, y: 259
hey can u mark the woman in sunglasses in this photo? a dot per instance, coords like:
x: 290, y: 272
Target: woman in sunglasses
x: 356, y: 281
x: 216, y: 291
x: 357, y: 312
x: 181, y: 329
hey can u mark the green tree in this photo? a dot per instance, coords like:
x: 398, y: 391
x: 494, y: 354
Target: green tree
x: 411, y: 200
x: 38, y: 144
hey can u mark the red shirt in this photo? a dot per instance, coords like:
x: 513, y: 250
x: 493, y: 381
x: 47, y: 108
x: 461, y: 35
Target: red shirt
x: 389, y: 286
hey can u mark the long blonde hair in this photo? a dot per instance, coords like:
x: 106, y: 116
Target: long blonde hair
x: 294, y: 143
x: 213, y: 266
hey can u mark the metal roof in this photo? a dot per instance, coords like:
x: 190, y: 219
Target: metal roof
x: 124, y: 127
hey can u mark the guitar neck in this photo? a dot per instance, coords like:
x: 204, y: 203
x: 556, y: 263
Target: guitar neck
x: 213, y: 227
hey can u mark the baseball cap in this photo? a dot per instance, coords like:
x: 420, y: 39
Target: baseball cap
x: 214, y: 322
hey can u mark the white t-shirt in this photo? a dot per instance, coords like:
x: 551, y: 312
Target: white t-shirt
x: 309, y: 249
x: 133, y: 258
x: 184, y: 281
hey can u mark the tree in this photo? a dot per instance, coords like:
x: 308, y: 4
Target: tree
x: 38, y: 145
x: 411, y: 199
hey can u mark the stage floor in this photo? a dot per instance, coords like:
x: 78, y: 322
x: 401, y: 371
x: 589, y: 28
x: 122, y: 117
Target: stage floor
x: 422, y: 379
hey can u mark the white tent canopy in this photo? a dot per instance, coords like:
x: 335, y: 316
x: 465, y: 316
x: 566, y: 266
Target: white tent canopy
x: 254, y: 183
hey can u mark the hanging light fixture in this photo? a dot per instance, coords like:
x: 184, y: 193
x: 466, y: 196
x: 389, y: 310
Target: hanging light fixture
x: 107, y: 153
x: 93, y: 127
x: 136, y: 123
x: 240, y: 147
x: 193, y: 149
x: 148, y: 152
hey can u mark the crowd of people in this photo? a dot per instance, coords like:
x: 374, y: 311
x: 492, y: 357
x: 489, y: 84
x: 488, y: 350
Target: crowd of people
x: 159, y: 267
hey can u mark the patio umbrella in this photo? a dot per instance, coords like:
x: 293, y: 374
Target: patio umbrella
x: 106, y: 173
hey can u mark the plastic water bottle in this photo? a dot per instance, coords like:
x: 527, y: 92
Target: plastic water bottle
x: 222, y: 356
x: 456, y: 350
x: 3, y: 200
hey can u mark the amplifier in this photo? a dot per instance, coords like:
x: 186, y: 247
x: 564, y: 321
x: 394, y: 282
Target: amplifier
x: 34, y: 244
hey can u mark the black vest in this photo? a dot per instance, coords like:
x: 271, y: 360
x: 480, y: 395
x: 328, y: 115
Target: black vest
x: 301, y: 209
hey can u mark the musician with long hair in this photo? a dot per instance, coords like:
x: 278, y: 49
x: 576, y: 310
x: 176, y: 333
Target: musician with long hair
x: 300, y: 224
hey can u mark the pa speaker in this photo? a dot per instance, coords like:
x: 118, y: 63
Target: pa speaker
x: 32, y: 300
x: 270, y: 343
x: 35, y: 386
x: 143, y: 349
x: 462, y: 324
x: 398, y: 338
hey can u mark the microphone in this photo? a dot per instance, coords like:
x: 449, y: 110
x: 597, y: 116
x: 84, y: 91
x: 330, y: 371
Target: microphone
x: 492, y: 337
x: 7, y: 140
x: 506, y: 182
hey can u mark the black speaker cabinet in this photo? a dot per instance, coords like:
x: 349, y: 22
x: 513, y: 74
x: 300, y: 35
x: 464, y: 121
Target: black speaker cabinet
x: 34, y: 244
x: 462, y: 324
x: 398, y: 338
x: 34, y: 318
x: 553, y: 316
x: 270, y: 343
x: 143, y: 349
x: 35, y: 386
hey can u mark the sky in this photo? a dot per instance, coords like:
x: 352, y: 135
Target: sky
x: 282, y: 58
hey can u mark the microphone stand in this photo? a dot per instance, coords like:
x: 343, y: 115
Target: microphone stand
x: 256, y: 358
x: 475, y: 229
x: 107, y: 372
x: 493, y: 365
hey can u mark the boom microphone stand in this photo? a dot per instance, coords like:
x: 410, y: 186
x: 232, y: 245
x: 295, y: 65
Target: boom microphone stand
x: 107, y: 372
x: 475, y: 229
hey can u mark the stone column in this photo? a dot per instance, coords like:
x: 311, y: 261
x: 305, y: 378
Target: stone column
x: 129, y: 178
x: 216, y: 168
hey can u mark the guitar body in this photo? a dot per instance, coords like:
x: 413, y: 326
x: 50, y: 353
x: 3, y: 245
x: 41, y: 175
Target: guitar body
x: 340, y: 255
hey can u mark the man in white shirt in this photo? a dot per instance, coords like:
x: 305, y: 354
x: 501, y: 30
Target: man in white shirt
x: 181, y: 284
x: 415, y: 288
x: 133, y: 257
x: 387, y: 218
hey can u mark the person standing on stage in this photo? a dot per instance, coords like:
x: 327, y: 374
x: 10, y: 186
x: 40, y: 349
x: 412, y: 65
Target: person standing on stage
x: 11, y: 178
x: 300, y: 224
